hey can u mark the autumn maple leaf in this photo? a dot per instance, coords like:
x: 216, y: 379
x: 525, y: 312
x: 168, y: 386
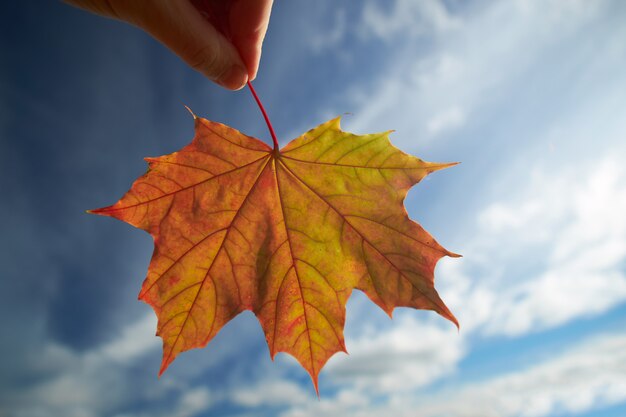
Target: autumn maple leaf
x: 287, y: 234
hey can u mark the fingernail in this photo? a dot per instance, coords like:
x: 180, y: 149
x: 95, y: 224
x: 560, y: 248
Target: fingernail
x: 235, y: 78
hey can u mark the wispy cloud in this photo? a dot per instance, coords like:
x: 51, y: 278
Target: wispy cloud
x: 270, y: 392
x: 552, y: 253
x: 406, y: 18
x: 330, y: 37
x: 587, y: 377
x: 451, y: 118
x: 473, y: 60
x: 406, y: 354
x: 106, y: 379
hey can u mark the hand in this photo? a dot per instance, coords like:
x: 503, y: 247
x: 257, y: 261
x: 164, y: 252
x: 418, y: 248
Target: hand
x: 225, y: 45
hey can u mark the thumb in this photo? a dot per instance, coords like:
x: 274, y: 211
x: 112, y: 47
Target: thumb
x: 180, y: 26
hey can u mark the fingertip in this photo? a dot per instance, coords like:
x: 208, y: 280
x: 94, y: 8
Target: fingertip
x: 252, y: 76
x: 234, y: 79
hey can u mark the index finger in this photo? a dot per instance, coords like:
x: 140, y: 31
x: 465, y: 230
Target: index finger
x: 248, y: 24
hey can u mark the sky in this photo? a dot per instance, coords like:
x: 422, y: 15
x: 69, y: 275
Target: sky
x: 530, y: 97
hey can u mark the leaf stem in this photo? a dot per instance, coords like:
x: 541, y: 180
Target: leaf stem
x: 267, y: 119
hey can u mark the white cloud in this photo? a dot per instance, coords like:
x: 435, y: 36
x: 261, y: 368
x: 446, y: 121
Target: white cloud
x: 406, y: 354
x: 451, y: 118
x: 190, y: 403
x: 550, y: 245
x: 76, y: 387
x: 100, y: 380
x: 477, y: 62
x: 135, y: 340
x: 330, y: 37
x: 275, y: 392
x: 193, y: 402
x: 587, y: 377
x: 406, y: 18
x: 552, y: 253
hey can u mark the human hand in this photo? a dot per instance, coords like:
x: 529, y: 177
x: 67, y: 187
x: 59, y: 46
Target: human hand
x: 224, y: 44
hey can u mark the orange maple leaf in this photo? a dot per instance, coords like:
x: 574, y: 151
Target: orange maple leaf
x: 287, y: 234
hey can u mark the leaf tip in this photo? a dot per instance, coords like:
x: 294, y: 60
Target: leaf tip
x: 316, y: 385
x: 314, y: 374
x: 448, y: 315
x: 165, y: 363
x: 456, y: 323
x: 438, y: 166
x: 336, y: 122
x: 103, y: 211
x: 191, y: 112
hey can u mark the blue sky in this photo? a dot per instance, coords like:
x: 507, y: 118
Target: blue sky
x: 530, y: 95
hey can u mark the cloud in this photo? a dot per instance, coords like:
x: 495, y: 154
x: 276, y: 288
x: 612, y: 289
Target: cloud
x: 272, y: 393
x: 552, y: 253
x: 193, y: 402
x: 584, y: 378
x: 133, y: 342
x: 549, y: 244
x: 451, y: 118
x: 478, y: 59
x: 406, y: 354
x: 104, y: 380
x: 331, y: 36
x: 76, y: 382
x: 406, y: 18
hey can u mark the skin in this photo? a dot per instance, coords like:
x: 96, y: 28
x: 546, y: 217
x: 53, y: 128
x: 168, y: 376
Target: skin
x: 221, y: 39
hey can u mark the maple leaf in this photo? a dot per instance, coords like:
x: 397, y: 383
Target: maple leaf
x: 287, y: 234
